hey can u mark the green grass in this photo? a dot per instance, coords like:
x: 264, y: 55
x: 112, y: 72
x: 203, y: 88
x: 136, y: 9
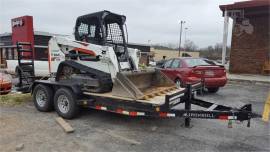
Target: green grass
x: 14, y: 99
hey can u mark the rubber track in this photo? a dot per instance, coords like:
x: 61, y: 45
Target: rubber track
x: 104, y: 79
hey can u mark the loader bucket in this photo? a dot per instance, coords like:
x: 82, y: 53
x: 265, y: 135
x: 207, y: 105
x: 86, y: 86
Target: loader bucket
x: 141, y: 85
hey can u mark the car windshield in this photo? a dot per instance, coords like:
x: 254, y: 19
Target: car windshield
x: 196, y: 62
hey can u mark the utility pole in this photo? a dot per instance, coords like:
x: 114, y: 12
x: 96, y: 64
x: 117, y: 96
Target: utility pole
x: 181, y: 26
x: 185, y: 37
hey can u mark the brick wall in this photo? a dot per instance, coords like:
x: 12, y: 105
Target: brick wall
x: 250, y: 51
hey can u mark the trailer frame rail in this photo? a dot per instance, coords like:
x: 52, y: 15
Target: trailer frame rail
x: 186, y: 97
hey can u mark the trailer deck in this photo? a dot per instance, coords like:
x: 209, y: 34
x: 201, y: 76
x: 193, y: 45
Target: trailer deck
x: 156, y: 99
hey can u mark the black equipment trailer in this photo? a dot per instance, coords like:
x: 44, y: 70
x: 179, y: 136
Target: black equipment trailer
x: 68, y: 97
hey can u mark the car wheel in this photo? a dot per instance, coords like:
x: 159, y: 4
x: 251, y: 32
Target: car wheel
x: 43, y: 98
x: 212, y: 90
x: 65, y: 103
x: 178, y: 83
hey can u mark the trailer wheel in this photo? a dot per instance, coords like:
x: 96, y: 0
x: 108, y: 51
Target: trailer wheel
x: 65, y: 103
x: 43, y: 98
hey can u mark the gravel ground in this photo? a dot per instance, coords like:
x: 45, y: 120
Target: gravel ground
x: 103, y: 131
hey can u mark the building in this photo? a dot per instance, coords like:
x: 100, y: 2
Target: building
x: 250, y: 47
x: 22, y: 30
x: 158, y: 54
x: 145, y: 50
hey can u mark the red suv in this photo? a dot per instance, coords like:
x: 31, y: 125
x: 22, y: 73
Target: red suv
x: 189, y: 70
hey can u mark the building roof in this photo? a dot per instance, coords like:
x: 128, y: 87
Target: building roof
x: 139, y: 44
x: 5, y: 34
x: 35, y: 33
x: 246, y: 4
x: 47, y: 33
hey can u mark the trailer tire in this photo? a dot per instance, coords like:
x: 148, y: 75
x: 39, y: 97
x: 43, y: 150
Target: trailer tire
x: 43, y: 98
x: 65, y: 103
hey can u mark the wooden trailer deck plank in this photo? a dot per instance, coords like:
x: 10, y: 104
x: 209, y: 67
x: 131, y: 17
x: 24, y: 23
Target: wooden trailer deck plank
x: 156, y: 100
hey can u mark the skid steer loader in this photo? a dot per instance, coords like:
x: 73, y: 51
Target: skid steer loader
x: 100, y: 61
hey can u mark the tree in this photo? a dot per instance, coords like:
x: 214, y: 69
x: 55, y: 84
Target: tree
x: 214, y: 52
x: 190, y: 46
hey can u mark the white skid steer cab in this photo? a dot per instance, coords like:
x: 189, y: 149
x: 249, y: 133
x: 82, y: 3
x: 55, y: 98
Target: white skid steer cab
x: 99, y: 60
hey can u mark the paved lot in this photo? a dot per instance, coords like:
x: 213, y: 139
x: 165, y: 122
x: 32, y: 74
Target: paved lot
x: 103, y: 131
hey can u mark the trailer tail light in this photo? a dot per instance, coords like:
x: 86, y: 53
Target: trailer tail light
x: 101, y: 108
x: 98, y: 107
x: 226, y: 117
x: 119, y: 111
x: 223, y: 117
x: 133, y: 113
x: 165, y: 114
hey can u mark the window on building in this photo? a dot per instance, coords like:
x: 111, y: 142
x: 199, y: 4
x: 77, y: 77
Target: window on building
x: 12, y: 53
x: 4, y: 53
x: 41, y: 54
x: 8, y: 54
x: 15, y: 54
x: 1, y: 56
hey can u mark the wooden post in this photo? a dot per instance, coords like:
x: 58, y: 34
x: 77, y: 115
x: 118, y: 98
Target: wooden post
x: 225, y: 36
x: 266, y: 111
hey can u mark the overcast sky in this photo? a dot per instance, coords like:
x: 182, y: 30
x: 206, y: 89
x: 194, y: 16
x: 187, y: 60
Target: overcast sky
x: 154, y: 20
